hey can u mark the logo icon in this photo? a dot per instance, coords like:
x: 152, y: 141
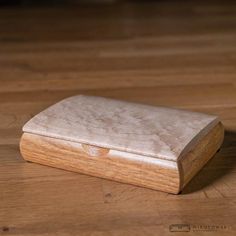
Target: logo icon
x: 179, y: 228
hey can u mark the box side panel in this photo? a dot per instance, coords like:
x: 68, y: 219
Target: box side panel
x: 69, y: 156
x: 205, y: 149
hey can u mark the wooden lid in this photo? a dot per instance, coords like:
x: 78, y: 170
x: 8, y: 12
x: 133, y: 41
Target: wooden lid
x: 159, y: 132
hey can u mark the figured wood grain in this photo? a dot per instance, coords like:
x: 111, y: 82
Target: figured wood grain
x: 159, y: 132
x: 164, y: 53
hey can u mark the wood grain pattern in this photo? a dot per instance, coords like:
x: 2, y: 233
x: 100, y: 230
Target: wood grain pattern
x: 158, y: 132
x: 164, y: 53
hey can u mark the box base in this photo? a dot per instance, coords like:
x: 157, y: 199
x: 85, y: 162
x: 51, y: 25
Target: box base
x: 70, y: 156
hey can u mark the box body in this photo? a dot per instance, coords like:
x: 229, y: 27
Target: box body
x: 157, y: 148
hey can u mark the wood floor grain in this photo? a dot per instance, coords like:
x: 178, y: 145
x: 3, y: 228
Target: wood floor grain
x: 168, y: 53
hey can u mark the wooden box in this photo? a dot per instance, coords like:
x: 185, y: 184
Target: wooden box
x: 155, y: 147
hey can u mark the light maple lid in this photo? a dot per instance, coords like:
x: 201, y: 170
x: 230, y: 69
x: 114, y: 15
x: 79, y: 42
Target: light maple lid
x: 160, y: 132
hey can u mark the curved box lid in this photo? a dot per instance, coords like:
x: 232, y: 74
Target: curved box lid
x: 159, y: 132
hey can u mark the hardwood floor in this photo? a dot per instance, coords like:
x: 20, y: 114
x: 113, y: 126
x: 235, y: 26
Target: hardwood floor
x: 179, y: 54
